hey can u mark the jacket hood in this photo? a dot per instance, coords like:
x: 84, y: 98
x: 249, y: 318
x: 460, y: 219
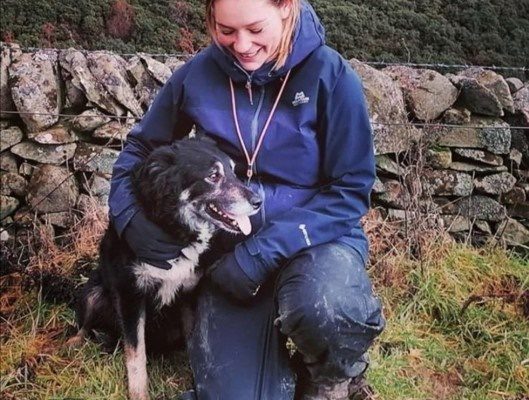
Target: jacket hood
x: 309, y: 35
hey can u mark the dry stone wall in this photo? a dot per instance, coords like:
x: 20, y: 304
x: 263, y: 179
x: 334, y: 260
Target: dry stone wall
x: 452, y: 145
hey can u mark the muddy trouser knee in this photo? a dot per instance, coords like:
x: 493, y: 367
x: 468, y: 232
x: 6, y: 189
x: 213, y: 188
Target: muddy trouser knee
x: 321, y: 298
x: 327, y: 307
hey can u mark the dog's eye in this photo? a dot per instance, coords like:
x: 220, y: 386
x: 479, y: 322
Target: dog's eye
x: 214, y: 177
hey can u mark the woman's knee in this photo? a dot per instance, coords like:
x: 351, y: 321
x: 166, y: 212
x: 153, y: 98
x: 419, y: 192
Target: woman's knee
x: 326, y: 301
x: 327, y: 313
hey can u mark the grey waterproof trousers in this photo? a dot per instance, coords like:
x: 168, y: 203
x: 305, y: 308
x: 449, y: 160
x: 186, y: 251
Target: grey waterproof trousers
x: 322, y: 299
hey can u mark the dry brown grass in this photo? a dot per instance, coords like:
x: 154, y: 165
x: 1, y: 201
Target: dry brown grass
x: 11, y: 291
x: 80, y: 242
x: 430, y: 349
x: 55, y: 263
x: 53, y: 267
x: 385, y: 237
x: 391, y: 247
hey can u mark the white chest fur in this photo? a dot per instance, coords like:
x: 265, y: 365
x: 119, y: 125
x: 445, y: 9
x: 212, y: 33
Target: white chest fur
x: 183, y: 275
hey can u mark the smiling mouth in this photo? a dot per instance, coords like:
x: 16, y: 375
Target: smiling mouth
x: 250, y: 56
x: 240, y: 223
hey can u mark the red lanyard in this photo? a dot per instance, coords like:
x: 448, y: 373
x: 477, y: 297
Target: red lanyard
x: 251, y: 160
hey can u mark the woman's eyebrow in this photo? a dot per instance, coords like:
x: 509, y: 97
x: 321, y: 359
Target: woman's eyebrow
x: 246, y: 26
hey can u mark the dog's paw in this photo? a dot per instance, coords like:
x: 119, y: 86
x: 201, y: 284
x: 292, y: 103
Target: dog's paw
x: 76, y: 341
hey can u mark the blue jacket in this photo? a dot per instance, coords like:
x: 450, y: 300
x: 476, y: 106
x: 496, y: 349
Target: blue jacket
x: 316, y: 166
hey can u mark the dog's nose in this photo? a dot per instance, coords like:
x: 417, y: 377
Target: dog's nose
x: 256, y: 201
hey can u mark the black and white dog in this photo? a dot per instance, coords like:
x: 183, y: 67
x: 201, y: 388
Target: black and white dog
x: 190, y: 190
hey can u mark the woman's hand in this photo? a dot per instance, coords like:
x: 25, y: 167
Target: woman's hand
x: 229, y: 277
x: 149, y: 242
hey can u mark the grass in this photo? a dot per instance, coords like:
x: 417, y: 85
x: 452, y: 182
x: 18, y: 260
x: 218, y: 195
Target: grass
x: 36, y: 364
x: 458, y: 328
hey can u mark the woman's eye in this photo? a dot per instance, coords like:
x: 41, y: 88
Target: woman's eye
x: 227, y: 33
x: 255, y: 31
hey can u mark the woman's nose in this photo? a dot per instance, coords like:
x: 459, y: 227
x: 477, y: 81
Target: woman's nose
x: 242, y: 43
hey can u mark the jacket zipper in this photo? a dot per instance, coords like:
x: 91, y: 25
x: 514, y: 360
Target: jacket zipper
x: 254, y: 132
x: 254, y: 128
x: 248, y: 87
x: 248, y: 84
x: 255, y: 121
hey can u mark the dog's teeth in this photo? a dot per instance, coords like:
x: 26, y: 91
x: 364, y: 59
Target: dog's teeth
x: 227, y: 219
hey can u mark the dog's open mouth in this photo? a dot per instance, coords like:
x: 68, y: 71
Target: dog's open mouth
x: 238, y: 223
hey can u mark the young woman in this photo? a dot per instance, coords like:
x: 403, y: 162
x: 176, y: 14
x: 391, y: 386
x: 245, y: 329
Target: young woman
x: 292, y: 115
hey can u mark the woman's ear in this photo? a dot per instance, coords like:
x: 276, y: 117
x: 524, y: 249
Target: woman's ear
x: 285, y: 9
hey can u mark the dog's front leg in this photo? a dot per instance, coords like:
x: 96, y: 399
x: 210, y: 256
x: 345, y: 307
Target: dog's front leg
x: 133, y: 325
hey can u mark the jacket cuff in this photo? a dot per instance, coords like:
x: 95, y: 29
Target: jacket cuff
x: 251, y: 261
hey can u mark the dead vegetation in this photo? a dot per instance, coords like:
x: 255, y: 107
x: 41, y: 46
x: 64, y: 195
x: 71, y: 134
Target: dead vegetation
x: 55, y: 263
x: 458, y: 317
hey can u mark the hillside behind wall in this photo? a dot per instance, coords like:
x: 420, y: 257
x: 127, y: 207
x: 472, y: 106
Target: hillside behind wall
x: 453, y: 148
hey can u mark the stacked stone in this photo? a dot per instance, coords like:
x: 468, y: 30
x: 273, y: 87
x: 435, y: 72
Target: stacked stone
x: 474, y: 166
x: 474, y: 179
x: 51, y: 164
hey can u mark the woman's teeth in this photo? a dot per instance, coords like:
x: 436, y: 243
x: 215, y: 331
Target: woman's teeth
x: 249, y: 55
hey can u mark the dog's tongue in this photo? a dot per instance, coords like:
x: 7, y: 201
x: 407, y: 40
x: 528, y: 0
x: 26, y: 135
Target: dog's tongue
x: 244, y: 224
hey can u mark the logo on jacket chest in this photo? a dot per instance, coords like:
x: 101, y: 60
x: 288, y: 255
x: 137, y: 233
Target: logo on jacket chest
x: 300, y: 98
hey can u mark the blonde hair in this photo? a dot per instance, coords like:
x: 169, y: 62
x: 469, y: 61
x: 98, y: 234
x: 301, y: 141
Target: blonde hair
x: 289, y: 26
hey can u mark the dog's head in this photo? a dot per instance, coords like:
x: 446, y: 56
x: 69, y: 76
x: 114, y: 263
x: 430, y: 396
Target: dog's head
x: 192, y: 183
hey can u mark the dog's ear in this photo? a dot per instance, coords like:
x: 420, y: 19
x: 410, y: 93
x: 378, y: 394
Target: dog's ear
x: 201, y: 136
x: 158, y: 178
x: 158, y: 161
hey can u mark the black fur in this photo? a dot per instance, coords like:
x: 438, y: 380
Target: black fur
x: 177, y: 186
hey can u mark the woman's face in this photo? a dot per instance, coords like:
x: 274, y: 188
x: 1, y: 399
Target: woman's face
x: 250, y: 29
